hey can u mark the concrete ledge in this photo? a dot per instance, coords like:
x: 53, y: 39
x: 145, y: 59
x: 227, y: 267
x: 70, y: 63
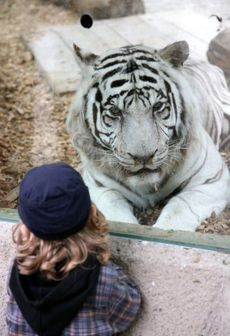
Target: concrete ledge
x: 147, y: 233
x: 186, y: 291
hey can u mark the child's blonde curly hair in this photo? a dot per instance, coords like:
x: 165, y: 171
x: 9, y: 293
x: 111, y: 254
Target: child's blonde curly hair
x: 55, y: 258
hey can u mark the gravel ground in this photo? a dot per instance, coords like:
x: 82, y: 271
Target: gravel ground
x: 32, y: 118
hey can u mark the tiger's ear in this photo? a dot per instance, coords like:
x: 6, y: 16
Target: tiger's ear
x: 84, y: 58
x: 175, y: 53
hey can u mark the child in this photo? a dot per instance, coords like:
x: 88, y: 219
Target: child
x: 61, y: 282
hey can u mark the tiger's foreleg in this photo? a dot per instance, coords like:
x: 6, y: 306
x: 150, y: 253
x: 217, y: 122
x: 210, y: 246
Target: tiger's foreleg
x: 186, y: 211
x: 207, y: 191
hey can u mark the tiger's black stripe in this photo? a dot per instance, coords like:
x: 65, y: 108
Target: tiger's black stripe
x: 111, y: 73
x: 187, y: 181
x: 98, y: 96
x: 171, y: 98
x: 108, y: 65
x: 127, y: 51
x: 216, y: 177
x: 111, y: 56
x: 118, y: 83
x: 95, y: 111
x: 131, y: 67
x: 148, y: 79
x: 144, y: 58
x: 146, y: 66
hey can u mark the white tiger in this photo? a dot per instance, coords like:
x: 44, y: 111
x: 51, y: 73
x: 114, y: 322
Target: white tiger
x: 147, y: 127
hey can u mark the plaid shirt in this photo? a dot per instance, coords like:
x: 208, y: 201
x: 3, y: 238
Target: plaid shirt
x: 110, y: 311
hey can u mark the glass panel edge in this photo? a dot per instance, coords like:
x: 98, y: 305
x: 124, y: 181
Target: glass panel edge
x: 206, y: 241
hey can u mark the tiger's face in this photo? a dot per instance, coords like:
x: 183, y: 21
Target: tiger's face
x: 135, y: 113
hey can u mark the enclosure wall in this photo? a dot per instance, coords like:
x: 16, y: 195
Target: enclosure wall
x: 185, y: 291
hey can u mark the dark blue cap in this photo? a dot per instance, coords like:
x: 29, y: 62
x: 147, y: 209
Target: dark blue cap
x: 54, y: 202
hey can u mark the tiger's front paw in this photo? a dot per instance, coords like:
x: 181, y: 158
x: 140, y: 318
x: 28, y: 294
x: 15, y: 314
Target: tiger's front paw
x: 176, y: 222
x: 121, y: 217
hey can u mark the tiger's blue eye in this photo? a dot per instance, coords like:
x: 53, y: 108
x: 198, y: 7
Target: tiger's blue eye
x: 115, y: 111
x: 111, y: 115
x: 159, y: 106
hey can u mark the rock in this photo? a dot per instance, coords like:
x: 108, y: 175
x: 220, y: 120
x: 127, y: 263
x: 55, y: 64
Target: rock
x: 219, y: 52
x: 103, y: 9
x: 27, y: 56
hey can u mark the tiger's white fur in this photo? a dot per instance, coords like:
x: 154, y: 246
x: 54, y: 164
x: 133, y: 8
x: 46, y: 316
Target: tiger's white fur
x: 140, y: 151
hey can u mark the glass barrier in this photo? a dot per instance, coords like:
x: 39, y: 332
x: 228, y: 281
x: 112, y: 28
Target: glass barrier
x: 140, y: 232
x: 141, y: 124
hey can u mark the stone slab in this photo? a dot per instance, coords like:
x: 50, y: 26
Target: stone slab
x: 56, y: 62
x: 102, y: 9
x: 53, y: 47
x: 219, y: 52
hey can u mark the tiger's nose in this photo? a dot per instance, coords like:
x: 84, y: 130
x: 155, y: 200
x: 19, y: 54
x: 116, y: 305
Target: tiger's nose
x: 143, y: 158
